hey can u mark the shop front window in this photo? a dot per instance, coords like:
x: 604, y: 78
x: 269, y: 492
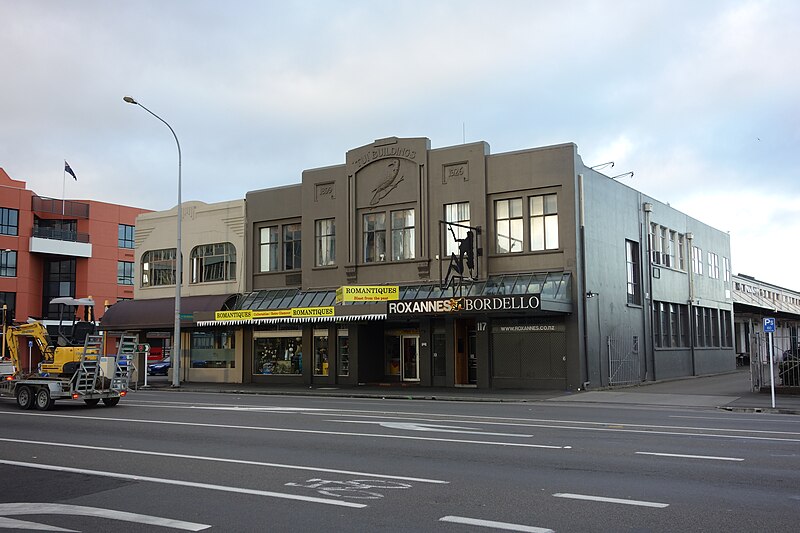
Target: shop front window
x: 321, y: 353
x: 213, y: 349
x: 279, y: 353
x: 343, y: 350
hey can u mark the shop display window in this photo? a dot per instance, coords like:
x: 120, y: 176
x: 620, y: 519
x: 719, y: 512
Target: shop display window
x: 278, y: 355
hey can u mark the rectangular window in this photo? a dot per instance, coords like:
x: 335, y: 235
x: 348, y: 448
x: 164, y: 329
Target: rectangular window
x: 544, y: 222
x: 697, y: 260
x: 125, y: 274
x: 713, y: 265
x: 158, y: 267
x: 656, y: 321
x: 403, y: 235
x: 268, y: 242
x: 278, y: 352
x: 8, y: 263
x: 508, y: 224
x: 715, y: 337
x: 725, y: 323
x: 9, y: 221
x: 670, y: 254
x: 685, y: 327
x: 212, y: 349
x: 325, y: 242
x: 321, y: 353
x: 456, y: 214
x: 699, y: 327
x: 374, y: 237
x: 633, y: 272
x: 681, y: 251
x: 708, y: 328
x: 655, y: 245
x: 674, y: 325
x: 291, y: 247
x: 664, y: 233
x: 343, y: 351
x: 125, y: 238
x: 9, y: 299
x: 726, y: 265
x: 664, y: 314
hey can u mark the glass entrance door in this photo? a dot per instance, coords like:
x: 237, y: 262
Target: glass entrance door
x: 409, y: 347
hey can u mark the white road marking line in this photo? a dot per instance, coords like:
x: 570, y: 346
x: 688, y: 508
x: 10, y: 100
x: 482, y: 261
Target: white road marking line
x: 610, y: 500
x: 12, y: 509
x: 534, y: 422
x: 685, y: 456
x: 412, y: 426
x: 11, y: 523
x: 224, y: 460
x: 209, y: 486
x: 287, y: 430
x: 496, y: 525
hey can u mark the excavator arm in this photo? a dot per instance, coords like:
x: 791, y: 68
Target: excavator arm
x: 35, y: 331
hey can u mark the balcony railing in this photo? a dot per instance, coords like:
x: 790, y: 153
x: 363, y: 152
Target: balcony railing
x: 68, y: 208
x: 60, y: 234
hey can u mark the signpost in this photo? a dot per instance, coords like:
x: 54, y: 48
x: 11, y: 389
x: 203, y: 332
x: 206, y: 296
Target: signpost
x: 769, y: 329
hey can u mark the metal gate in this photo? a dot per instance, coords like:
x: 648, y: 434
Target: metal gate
x: 624, y: 359
x: 785, y: 369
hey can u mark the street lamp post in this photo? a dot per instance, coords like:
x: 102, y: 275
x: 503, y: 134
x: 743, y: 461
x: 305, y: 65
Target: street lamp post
x: 175, y: 360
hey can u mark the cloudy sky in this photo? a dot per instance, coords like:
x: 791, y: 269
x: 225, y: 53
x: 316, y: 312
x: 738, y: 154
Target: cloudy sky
x: 701, y: 99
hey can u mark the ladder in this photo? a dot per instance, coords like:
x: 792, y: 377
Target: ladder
x: 125, y: 363
x: 86, y: 376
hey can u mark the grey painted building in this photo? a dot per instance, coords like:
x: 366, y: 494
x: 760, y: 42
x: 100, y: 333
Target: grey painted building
x: 556, y: 276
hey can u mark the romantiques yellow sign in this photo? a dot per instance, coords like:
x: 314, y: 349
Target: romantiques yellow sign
x: 297, y: 312
x: 367, y: 293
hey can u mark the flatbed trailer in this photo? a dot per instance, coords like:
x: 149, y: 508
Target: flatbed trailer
x: 98, y: 378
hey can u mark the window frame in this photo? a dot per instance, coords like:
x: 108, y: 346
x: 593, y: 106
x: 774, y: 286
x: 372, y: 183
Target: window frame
x: 633, y: 272
x: 151, y: 278
x: 126, y: 236
x: 373, y: 237
x: 269, y: 247
x: 126, y: 273
x: 201, y: 266
x: 292, y: 246
x: 7, y: 226
x: 324, y: 242
x: 403, y: 238
x: 513, y: 224
x: 8, y: 263
x: 549, y: 222
x: 455, y: 214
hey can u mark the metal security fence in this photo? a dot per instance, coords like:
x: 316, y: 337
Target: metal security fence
x: 624, y: 357
x: 785, y: 368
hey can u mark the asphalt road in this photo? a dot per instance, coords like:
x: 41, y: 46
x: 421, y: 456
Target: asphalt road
x: 163, y: 461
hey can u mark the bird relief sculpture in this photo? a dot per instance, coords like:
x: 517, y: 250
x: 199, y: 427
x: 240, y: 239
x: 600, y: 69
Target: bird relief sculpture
x: 389, y: 183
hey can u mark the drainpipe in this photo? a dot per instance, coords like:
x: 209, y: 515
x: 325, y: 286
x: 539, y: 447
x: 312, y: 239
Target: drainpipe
x: 647, y: 208
x: 582, y: 291
x: 690, y: 269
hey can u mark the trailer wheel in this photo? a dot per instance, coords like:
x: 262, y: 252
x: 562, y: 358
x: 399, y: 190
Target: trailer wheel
x: 91, y: 402
x: 24, y: 397
x: 43, y: 400
x: 110, y: 402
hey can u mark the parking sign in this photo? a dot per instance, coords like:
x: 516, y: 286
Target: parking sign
x: 769, y: 325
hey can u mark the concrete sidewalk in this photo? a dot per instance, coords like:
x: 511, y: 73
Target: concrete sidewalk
x: 731, y: 391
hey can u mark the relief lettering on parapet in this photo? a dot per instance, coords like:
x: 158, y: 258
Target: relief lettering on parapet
x: 455, y: 173
x: 325, y: 191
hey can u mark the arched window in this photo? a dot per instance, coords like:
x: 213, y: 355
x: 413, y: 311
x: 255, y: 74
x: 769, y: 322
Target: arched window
x: 213, y: 262
x: 158, y: 267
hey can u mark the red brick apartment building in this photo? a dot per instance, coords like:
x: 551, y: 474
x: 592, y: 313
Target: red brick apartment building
x: 55, y: 247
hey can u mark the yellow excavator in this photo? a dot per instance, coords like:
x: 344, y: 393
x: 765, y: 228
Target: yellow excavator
x: 73, y: 367
x: 62, y: 357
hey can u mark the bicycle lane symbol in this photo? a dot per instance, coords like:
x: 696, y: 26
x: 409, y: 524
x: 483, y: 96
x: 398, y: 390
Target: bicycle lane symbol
x: 360, y: 489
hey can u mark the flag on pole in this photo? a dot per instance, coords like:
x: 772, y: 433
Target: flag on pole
x: 69, y: 171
